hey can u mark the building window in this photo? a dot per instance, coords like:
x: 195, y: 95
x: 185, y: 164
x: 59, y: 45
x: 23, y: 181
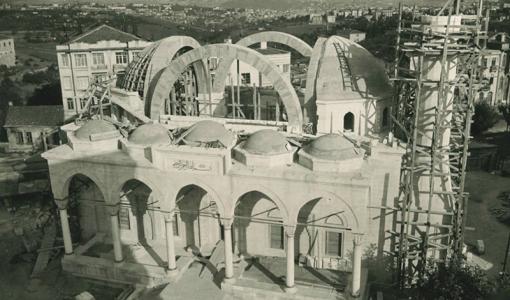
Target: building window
x: 136, y: 53
x: 82, y: 82
x: 333, y: 243
x: 28, y: 139
x: 246, y: 78
x: 98, y: 58
x: 80, y: 60
x: 83, y: 102
x: 124, y: 218
x: 66, y: 83
x: 70, y: 103
x: 276, y: 236
x: 121, y: 58
x: 19, y: 137
x: 349, y: 122
x: 286, y: 68
x: 65, y: 60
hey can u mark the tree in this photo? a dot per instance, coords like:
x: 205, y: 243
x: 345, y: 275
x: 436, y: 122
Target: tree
x: 484, y: 118
x: 504, y: 109
x: 455, y: 280
x: 48, y: 94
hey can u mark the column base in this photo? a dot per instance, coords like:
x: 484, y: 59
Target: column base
x: 290, y: 290
x: 69, y: 254
x: 230, y: 280
x: 355, y: 295
x: 118, y: 262
x: 172, y: 272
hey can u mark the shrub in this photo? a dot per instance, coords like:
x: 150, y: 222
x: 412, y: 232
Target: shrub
x: 484, y: 118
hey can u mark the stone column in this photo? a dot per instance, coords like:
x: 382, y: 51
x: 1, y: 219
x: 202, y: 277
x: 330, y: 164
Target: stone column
x: 64, y: 221
x: 229, y: 263
x: 289, y: 282
x: 113, y: 210
x: 356, y: 265
x: 170, y: 245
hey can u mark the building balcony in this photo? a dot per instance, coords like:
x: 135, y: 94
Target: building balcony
x: 99, y: 67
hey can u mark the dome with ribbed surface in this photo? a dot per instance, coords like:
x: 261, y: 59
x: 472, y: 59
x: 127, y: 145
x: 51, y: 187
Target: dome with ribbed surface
x: 150, y: 134
x: 267, y: 141
x: 93, y: 127
x: 332, y: 147
x: 208, y: 132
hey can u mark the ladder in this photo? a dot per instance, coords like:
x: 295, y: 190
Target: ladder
x: 344, y: 66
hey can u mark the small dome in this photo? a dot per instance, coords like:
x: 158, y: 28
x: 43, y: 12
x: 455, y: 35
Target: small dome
x: 93, y: 127
x: 267, y: 141
x: 151, y: 133
x: 208, y: 131
x: 331, y: 147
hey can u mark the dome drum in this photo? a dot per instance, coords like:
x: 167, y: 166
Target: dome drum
x: 103, y: 134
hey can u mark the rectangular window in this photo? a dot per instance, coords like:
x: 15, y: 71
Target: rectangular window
x: 121, y: 58
x: 64, y: 58
x: 82, y: 82
x: 276, y: 236
x: 19, y: 137
x: 333, y: 243
x: 66, y: 83
x: 246, y: 78
x: 124, y: 218
x: 80, y: 59
x: 70, y: 103
x: 135, y: 53
x: 98, y: 58
x: 28, y: 136
x: 286, y: 68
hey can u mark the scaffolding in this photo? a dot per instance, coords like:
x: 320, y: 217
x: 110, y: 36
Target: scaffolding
x: 432, y: 115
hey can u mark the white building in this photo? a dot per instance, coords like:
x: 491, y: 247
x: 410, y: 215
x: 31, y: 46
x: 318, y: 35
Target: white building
x: 96, y: 55
x: 250, y: 76
x: 7, y: 52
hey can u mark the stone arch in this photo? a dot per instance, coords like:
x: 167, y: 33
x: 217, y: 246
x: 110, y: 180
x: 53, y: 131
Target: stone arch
x: 121, y: 182
x: 63, y: 191
x: 267, y: 36
x: 161, y: 86
x: 163, y: 55
x: 349, y: 217
x: 270, y: 194
x: 222, y: 208
x: 309, y: 106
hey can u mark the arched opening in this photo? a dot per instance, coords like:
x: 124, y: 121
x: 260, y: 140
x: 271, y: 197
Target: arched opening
x: 349, y: 122
x: 259, y: 236
x: 197, y: 227
x: 87, y: 213
x: 385, y: 117
x: 141, y: 224
x: 322, y: 243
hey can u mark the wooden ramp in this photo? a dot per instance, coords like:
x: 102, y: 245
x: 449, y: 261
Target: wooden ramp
x: 50, y: 233
x: 216, y: 258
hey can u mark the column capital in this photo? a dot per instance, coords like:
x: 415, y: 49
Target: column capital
x: 357, y: 239
x: 62, y: 203
x: 113, y: 209
x: 290, y: 229
x: 169, y: 217
x: 227, y: 222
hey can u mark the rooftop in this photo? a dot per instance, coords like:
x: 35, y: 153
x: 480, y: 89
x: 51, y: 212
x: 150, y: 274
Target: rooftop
x: 105, y: 33
x: 271, y: 51
x: 44, y: 115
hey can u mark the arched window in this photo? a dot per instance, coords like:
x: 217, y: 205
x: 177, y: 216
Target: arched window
x: 385, y: 117
x: 349, y: 122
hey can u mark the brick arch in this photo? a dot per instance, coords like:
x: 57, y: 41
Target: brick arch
x: 161, y: 86
x: 350, y: 216
x: 267, y: 36
x: 271, y: 196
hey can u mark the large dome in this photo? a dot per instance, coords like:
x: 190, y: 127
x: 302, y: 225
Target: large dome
x: 149, y: 134
x: 93, y: 127
x: 331, y: 147
x: 207, y: 132
x: 266, y: 141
